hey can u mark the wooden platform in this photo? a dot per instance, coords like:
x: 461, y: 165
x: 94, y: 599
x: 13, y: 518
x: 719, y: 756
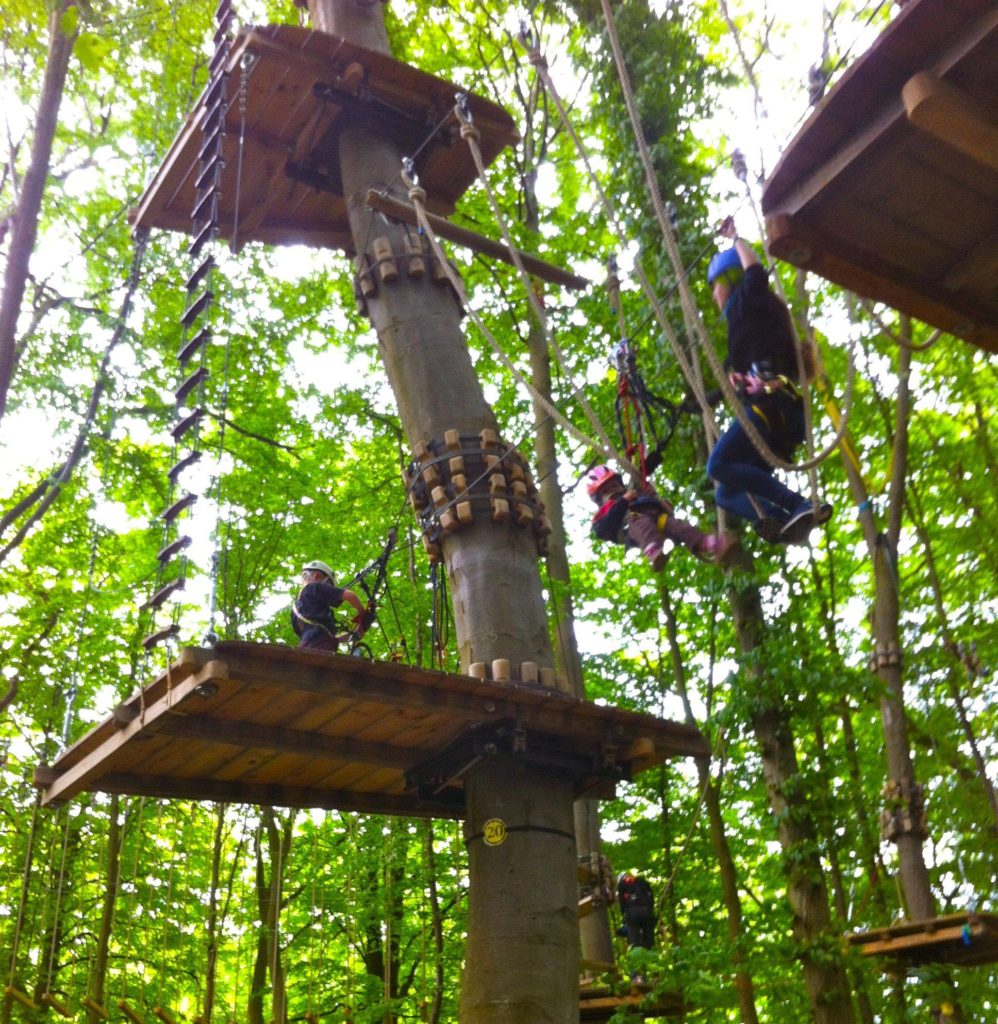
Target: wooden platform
x: 962, y: 939
x: 269, y: 724
x: 890, y: 188
x: 597, y: 1006
x: 304, y: 86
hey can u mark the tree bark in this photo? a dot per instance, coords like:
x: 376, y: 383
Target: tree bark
x: 522, y: 961
x: 25, y: 216
x: 108, y: 900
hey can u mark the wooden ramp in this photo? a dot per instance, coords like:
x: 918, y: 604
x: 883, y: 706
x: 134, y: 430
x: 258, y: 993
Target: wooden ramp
x: 966, y: 940
x: 303, y: 88
x: 269, y: 724
x: 891, y: 186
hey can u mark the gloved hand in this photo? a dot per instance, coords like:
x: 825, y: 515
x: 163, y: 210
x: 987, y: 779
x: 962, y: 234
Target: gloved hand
x: 363, y: 620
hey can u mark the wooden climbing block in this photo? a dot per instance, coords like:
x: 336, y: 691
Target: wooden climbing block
x: 302, y: 87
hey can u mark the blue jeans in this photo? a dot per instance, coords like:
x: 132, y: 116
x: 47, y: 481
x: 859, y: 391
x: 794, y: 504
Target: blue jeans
x: 740, y: 470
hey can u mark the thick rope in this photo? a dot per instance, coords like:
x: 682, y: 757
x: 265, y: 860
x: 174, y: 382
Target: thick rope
x: 687, y: 302
x: 417, y: 196
x: 471, y: 135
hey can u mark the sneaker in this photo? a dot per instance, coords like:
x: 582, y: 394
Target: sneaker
x: 822, y: 513
x: 719, y: 548
x: 798, y: 527
x: 656, y: 556
x: 770, y: 529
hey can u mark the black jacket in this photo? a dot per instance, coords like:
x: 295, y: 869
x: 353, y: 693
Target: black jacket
x: 761, y: 335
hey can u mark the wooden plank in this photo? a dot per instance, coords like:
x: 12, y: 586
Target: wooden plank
x: 306, y: 744
x: 471, y: 700
x: 185, y: 664
x: 896, y: 944
x: 76, y: 776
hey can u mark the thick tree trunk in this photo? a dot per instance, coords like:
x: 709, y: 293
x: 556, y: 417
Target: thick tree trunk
x: 523, y: 944
x: 25, y: 217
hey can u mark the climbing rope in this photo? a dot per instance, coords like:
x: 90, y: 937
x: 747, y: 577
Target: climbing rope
x: 417, y: 197
x: 471, y: 136
x: 691, y: 314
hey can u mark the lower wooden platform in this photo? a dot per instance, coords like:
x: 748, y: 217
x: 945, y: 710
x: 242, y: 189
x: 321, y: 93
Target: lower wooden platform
x: 270, y: 724
x: 597, y: 1006
x: 968, y: 939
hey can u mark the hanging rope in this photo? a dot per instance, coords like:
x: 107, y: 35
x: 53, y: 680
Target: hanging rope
x: 691, y: 313
x: 471, y: 136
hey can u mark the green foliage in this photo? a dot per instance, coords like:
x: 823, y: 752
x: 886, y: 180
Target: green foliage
x: 311, y: 449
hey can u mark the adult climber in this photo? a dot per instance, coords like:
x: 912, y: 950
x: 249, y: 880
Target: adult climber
x: 637, y: 907
x: 762, y: 366
x: 312, y: 611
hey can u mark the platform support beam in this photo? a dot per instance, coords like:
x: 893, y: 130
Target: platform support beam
x: 947, y: 114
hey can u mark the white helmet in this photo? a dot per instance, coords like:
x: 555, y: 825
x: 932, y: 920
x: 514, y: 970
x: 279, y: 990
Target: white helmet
x: 318, y: 566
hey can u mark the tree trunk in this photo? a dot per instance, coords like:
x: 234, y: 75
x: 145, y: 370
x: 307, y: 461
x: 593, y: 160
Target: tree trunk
x: 25, y: 216
x: 522, y: 959
x: 276, y: 835
x: 727, y: 872
x: 212, y: 924
x: 108, y: 900
x: 594, y: 929
x: 824, y: 976
x: 431, y: 1009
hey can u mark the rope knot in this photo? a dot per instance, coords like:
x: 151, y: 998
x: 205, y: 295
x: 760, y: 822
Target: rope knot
x: 538, y: 59
x: 417, y: 194
x: 470, y: 131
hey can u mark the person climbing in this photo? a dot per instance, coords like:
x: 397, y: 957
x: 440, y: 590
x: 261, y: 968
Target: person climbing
x: 637, y: 907
x: 311, y: 613
x: 762, y: 367
x: 637, y: 517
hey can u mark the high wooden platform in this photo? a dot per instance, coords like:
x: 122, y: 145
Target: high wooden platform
x: 890, y: 188
x: 269, y: 724
x: 966, y: 940
x: 302, y: 89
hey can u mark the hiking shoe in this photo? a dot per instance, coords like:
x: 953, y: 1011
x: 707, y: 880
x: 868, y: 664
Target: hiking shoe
x: 798, y: 527
x: 656, y: 556
x: 770, y: 529
x: 719, y: 548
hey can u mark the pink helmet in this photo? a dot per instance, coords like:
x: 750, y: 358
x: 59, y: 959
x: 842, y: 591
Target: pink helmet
x: 597, y: 477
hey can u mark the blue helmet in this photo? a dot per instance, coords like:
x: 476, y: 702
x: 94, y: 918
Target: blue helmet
x: 726, y: 264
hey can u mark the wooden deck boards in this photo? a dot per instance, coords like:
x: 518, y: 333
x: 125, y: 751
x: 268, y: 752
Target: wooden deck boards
x: 893, y: 202
x: 266, y: 723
